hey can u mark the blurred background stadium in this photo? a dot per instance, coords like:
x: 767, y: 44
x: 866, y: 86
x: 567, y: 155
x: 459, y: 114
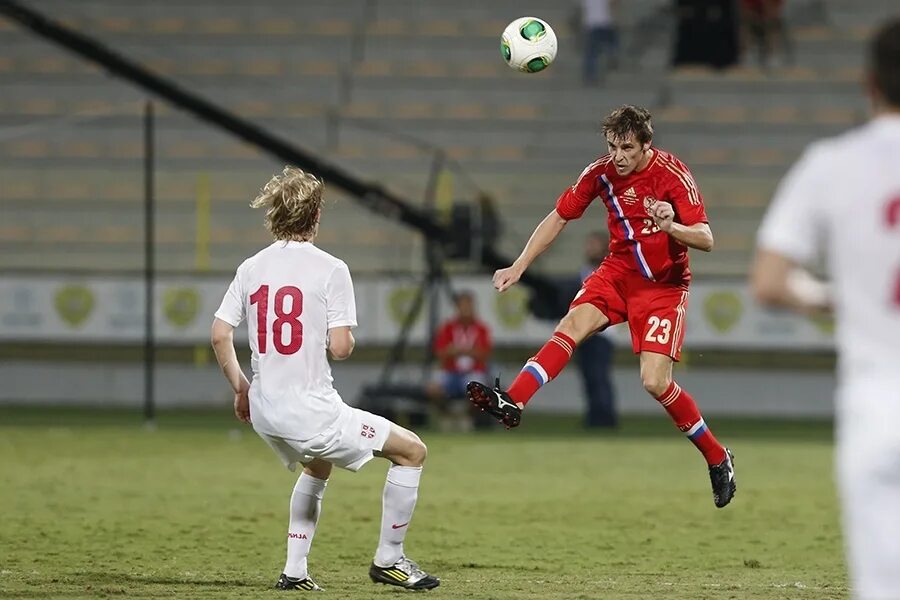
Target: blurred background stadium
x: 408, y: 96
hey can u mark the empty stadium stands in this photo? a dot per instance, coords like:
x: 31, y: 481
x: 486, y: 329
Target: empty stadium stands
x: 378, y: 86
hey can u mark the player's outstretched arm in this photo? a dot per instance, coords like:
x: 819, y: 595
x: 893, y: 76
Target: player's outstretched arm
x: 544, y: 235
x: 223, y: 345
x: 698, y: 235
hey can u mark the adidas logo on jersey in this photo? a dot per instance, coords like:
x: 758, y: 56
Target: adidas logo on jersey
x: 629, y: 196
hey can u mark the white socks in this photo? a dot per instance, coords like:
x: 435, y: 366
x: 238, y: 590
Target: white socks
x: 400, y: 492
x: 306, y: 504
x: 398, y: 502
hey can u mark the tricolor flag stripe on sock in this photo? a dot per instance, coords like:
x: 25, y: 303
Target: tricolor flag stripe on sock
x: 536, y: 371
x: 541, y: 368
x: 697, y: 430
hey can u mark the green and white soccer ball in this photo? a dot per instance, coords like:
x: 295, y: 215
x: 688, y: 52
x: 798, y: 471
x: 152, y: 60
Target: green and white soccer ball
x: 528, y: 44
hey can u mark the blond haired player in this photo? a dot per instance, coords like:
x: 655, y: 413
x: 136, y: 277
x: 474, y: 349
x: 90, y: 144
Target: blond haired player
x: 842, y: 199
x: 298, y: 301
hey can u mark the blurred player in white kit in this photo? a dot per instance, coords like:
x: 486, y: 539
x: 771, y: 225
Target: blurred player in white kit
x: 842, y: 200
x: 298, y: 301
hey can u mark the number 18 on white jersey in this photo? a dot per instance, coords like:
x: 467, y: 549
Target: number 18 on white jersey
x: 291, y: 294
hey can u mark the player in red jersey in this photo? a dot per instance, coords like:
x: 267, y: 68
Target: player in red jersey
x: 655, y: 214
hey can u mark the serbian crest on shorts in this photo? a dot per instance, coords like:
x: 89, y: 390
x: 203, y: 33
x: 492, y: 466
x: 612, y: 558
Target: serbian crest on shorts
x: 649, y: 202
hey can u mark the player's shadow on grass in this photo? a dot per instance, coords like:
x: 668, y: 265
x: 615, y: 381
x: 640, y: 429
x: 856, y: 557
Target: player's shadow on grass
x: 236, y: 583
x: 100, y: 580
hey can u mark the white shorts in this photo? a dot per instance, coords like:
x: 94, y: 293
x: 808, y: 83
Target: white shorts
x: 349, y: 444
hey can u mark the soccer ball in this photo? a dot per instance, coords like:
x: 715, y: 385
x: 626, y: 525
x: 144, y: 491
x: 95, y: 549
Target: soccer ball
x: 528, y: 44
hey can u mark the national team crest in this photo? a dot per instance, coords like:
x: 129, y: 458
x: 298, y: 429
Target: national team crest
x: 649, y: 203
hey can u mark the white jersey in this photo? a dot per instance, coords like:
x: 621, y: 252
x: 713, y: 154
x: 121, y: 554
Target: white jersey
x: 843, y: 198
x: 291, y: 293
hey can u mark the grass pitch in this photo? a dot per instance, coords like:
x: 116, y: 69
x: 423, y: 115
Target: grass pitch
x: 95, y: 505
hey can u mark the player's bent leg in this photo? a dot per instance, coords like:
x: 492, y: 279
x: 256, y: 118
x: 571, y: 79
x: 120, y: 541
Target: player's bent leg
x: 656, y: 373
x: 401, y: 489
x: 318, y: 468
x: 506, y: 406
x: 306, y: 504
x: 656, y: 377
x: 581, y: 321
x: 404, y: 448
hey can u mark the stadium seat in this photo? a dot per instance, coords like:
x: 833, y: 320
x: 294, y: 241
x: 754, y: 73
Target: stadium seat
x: 117, y: 24
x: 40, y: 106
x: 165, y: 25
x: 386, y: 27
x: 25, y: 148
x: 14, y: 233
x: 414, y: 110
x: 467, y: 111
x: 524, y: 112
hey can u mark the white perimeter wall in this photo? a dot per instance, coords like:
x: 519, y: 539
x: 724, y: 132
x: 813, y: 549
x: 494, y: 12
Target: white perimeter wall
x: 718, y: 391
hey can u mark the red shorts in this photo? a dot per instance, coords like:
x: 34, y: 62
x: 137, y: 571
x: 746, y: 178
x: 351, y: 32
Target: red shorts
x: 655, y: 311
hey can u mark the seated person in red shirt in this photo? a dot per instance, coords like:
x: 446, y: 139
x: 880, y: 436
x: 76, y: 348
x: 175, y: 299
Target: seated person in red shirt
x: 462, y: 345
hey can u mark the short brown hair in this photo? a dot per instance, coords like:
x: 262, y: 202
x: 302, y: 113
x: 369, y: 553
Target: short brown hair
x: 292, y: 201
x: 884, y: 61
x: 627, y: 120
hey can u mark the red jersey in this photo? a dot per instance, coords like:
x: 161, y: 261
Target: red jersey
x: 465, y: 336
x: 636, y: 243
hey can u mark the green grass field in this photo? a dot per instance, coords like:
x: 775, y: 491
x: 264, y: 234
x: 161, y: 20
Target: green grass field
x: 95, y: 505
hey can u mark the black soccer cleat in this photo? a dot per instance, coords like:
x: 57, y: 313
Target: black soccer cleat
x: 404, y: 573
x: 494, y: 402
x: 290, y: 583
x: 721, y: 476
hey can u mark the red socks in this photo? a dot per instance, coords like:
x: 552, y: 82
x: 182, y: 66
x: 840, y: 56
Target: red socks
x: 552, y: 358
x: 683, y: 410
x: 543, y: 367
